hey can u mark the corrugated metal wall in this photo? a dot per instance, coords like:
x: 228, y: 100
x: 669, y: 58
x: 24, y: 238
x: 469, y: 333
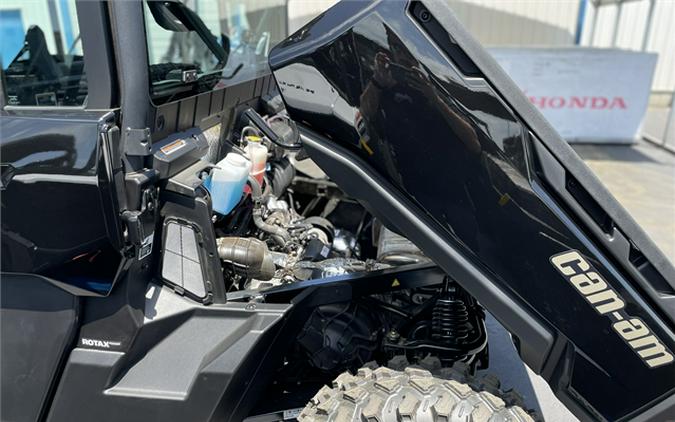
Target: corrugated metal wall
x: 551, y: 23
x: 632, y: 23
x: 519, y: 22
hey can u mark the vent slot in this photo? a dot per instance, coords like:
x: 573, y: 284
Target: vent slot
x: 650, y: 273
x: 589, y: 204
x: 636, y: 257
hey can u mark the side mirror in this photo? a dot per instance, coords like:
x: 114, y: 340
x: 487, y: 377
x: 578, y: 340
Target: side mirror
x: 175, y: 16
x: 161, y: 12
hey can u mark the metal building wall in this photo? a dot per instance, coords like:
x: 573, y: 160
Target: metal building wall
x: 630, y: 34
x: 551, y: 23
x: 493, y: 22
x: 519, y: 22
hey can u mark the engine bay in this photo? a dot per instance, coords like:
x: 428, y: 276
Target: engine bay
x: 279, y: 224
x: 278, y: 219
x: 303, y: 228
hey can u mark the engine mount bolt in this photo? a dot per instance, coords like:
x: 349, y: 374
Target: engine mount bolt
x: 393, y: 335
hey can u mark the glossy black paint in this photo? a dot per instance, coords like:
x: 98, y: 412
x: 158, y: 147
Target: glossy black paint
x: 369, y: 77
x: 227, y: 378
x: 57, y: 207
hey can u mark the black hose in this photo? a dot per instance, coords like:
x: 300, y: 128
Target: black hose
x: 278, y: 234
x: 283, y: 173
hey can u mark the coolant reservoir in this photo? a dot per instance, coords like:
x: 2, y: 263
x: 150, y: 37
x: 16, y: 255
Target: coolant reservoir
x: 226, y: 182
x: 257, y: 153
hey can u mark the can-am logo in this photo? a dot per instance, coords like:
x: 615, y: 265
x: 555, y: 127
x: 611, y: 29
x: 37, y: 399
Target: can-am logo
x: 606, y: 301
x: 101, y: 344
x: 581, y: 103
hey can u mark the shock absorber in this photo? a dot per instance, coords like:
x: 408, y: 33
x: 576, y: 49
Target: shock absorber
x: 450, y: 316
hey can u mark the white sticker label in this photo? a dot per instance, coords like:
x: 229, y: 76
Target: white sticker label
x: 292, y: 413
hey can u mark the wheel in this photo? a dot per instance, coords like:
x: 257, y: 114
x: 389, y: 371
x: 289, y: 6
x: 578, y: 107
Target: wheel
x: 412, y: 395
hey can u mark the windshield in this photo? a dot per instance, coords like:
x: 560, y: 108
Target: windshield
x: 204, y: 44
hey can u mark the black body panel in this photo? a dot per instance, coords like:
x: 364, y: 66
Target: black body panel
x: 59, y: 203
x: 169, y: 358
x: 38, y: 324
x: 132, y: 353
x: 398, y: 93
x: 186, y: 362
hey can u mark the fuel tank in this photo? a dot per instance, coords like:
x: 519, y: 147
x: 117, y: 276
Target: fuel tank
x: 403, y: 109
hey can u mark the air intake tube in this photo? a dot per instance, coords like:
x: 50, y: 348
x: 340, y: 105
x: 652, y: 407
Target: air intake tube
x: 249, y: 256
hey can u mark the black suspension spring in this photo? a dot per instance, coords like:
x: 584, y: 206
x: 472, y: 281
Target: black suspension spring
x: 450, y: 318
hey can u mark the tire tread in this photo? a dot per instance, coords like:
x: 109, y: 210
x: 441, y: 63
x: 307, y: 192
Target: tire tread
x: 414, y: 395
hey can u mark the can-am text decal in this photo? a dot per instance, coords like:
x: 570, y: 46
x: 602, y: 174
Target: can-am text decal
x: 607, y: 302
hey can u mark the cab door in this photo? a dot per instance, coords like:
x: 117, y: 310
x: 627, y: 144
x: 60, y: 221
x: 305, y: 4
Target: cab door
x: 61, y: 232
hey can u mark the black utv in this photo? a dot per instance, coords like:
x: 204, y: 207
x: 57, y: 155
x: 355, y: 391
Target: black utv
x: 196, y: 230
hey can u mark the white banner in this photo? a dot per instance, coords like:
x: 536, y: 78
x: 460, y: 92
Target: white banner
x: 587, y: 94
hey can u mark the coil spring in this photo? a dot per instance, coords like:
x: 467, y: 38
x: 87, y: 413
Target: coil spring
x: 450, y: 320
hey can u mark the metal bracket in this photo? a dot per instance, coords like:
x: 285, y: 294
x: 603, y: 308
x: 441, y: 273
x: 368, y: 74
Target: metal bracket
x: 137, y: 141
x: 140, y: 224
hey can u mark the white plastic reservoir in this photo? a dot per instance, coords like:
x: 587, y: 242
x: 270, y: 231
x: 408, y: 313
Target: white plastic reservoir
x: 257, y: 153
x: 226, y: 182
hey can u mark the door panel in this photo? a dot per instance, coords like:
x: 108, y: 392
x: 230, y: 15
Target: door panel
x: 58, y: 215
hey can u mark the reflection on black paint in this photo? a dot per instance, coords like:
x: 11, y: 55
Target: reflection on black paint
x: 52, y: 210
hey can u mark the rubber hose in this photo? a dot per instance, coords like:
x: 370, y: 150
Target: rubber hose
x: 283, y: 173
x: 278, y: 234
x: 256, y: 190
